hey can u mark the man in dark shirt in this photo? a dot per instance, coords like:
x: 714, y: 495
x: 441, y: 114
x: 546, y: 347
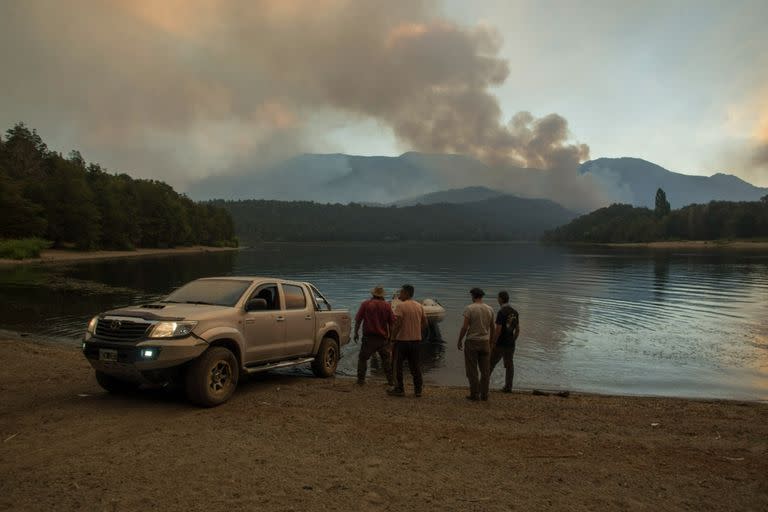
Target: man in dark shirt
x: 504, y: 338
x: 377, y: 318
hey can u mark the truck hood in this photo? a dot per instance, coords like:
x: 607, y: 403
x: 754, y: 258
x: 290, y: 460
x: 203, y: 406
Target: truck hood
x: 166, y: 311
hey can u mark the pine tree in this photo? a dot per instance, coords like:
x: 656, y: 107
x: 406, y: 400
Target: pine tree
x: 662, y: 205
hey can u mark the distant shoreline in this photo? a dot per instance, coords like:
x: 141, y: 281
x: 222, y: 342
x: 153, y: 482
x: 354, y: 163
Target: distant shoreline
x: 70, y: 256
x: 695, y: 244
x: 386, y: 242
x: 62, y: 256
x: 679, y: 244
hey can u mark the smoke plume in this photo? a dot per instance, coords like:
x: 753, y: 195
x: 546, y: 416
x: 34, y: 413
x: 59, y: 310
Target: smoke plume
x: 760, y: 156
x: 184, y: 88
x: 760, y: 151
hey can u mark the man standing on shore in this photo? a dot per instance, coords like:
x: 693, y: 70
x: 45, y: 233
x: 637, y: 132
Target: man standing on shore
x: 410, y: 322
x: 377, y: 318
x: 478, y: 323
x: 504, y: 337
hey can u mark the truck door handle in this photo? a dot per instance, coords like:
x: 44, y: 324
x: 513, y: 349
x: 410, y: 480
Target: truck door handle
x: 280, y: 319
x: 308, y: 317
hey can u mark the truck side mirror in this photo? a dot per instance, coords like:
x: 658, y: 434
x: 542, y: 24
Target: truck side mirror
x: 256, y: 305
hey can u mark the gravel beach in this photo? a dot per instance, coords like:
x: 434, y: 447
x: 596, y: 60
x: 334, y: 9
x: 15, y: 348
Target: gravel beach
x: 290, y: 442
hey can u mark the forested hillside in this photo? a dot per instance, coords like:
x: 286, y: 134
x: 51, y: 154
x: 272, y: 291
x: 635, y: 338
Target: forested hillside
x: 501, y: 218
x: 715, y: 220
x: 73, y: 203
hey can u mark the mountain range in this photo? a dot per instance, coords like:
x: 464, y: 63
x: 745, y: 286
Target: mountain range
x: 338, y: 178
x: 635, y: 181
x: 421, y: 178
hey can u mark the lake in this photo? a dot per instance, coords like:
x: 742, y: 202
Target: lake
x: 690, y: 323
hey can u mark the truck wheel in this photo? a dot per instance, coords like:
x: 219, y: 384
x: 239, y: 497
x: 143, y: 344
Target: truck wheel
x: 327, y: 358
x: 115, y: 385
x: 212, y: 377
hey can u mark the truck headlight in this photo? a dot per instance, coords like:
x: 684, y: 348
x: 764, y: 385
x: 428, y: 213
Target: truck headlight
x: 171, y: 329
x: 91, y: 329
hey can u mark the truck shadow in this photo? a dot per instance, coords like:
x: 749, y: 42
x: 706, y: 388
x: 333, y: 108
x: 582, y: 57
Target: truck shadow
x: 249, y: 386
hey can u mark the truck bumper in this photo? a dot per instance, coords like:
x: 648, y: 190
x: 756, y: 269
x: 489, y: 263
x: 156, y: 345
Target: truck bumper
x: 127, y: 360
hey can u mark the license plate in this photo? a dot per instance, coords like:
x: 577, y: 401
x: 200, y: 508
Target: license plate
x: 107, y: 354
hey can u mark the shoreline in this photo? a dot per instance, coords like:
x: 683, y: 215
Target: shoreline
x: 678, y: 244
x: 63, y: 256
x: 761, y: 245
x: 391, y: 242
x: 67, y: 444
x: 50, y: 256
x: 698, y: 244
x: 68, y: 344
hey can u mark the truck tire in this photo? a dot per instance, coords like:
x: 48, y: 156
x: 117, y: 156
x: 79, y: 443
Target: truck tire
x: 114, y: 385
x: 212, y: 378
x: 327, y: 358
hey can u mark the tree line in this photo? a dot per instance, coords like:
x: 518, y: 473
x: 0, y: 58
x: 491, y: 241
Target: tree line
x: 716, y: 220
x: 501, y: 218
x: 77, y: 204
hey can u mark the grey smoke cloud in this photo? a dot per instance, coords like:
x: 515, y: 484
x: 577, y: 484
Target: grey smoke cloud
x: 182, y: 89
x: 760, y: 156
x: 748, y: 158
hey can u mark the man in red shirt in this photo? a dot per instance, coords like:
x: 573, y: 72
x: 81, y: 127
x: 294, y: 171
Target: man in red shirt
x: 377, y: 318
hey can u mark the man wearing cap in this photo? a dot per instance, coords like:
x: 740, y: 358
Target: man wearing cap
x: 377, y: 318
x: 478, y: 323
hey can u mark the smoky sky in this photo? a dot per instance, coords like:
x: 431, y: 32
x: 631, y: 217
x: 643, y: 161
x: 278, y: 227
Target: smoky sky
x: 182, y: 89
x: 760, y: 156
x: 760, y: 146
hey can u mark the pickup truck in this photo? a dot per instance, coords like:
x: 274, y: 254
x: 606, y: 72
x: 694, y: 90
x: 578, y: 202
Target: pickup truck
x: 208, y: 333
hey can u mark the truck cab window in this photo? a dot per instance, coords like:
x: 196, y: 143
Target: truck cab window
x: 269, y: 293
x: 294, y: 297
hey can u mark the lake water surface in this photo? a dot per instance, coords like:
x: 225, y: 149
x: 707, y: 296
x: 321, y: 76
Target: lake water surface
x: 621, y: 321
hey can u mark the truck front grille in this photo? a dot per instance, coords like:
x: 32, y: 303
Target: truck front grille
x: 121, y: 330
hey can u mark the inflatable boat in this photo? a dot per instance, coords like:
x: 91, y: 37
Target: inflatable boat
x: 434, y: 310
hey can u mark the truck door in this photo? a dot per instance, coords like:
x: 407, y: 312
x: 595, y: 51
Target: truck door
x: 300, y: 321
x: 265, y: 329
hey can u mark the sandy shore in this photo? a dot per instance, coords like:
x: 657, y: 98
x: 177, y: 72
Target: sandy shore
x: 699, y: 244
x: 66, y: 256
x: 287, y: 442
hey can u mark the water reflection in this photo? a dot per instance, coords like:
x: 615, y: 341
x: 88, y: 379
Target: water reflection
x: 661, y: 264
x: 155, y: 276
x: 611, y: 320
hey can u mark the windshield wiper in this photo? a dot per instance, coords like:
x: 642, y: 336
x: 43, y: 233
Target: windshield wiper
x: 170, y: 301
x: 199, y: 302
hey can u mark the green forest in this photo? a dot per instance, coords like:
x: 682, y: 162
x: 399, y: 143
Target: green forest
x: 619, y: 223
x: 299, y: 221
x: 47, y: 199
x: 71, y: 203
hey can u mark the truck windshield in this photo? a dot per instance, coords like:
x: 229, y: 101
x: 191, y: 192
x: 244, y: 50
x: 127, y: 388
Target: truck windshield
x: 217, y: 292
